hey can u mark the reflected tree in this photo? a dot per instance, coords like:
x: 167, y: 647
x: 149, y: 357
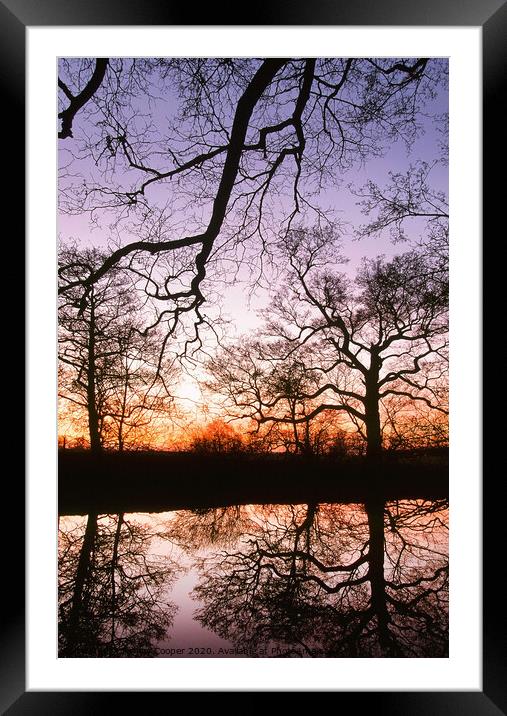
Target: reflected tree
x: 329, y: 580
x: 112, y: 591
x: 206, y: 527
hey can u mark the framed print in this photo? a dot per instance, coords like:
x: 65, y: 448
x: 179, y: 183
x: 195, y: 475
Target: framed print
x: 250, y: 243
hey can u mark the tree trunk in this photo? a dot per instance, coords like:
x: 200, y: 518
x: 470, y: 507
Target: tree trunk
x: 123, y: 407
x: 297, y: 442
x: 308, y: 442
x: 91, y: 397
x: 375, y: 512
x: 114, y: 564
x: 373, y: 434
x: 82, y: 572
x: 372, y: 414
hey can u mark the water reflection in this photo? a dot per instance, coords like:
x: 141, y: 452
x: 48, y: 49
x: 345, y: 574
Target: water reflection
x: 112, y: 590
x: 281, y: 580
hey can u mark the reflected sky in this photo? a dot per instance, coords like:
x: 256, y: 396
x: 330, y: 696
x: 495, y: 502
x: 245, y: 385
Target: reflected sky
x: 295, y: 581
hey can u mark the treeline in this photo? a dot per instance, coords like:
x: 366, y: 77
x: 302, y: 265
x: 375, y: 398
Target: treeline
x: 340, y: 365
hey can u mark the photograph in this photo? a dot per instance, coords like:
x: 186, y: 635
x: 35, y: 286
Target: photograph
x: 253, y: 260
x: 252, y: 353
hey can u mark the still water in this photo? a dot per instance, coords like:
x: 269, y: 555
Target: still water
x: 294, y: 581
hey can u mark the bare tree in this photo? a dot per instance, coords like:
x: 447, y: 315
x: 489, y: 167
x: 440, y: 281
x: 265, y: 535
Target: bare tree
x: 250, y: 147
x: 356, y: 342
x: 255, y: 380
x: 216, y: 437
x: 110, y: 369
x: 139, y: 394
x: 387, y: 329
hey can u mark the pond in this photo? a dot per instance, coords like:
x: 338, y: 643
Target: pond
x: 264, y: 581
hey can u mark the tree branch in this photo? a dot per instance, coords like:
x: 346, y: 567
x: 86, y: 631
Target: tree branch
x: 78, y: 101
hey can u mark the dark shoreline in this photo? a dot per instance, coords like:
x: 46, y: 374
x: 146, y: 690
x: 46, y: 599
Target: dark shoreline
x: 164, y: 481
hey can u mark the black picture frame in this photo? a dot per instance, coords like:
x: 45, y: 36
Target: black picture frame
x: 15, y: 17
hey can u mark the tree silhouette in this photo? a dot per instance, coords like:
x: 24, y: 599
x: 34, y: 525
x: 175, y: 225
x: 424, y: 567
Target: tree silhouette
x: 406, y: 196
x: 109, y: 369
x: 255, y: 380
x: 361, y: 342
x: 216, y: 437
